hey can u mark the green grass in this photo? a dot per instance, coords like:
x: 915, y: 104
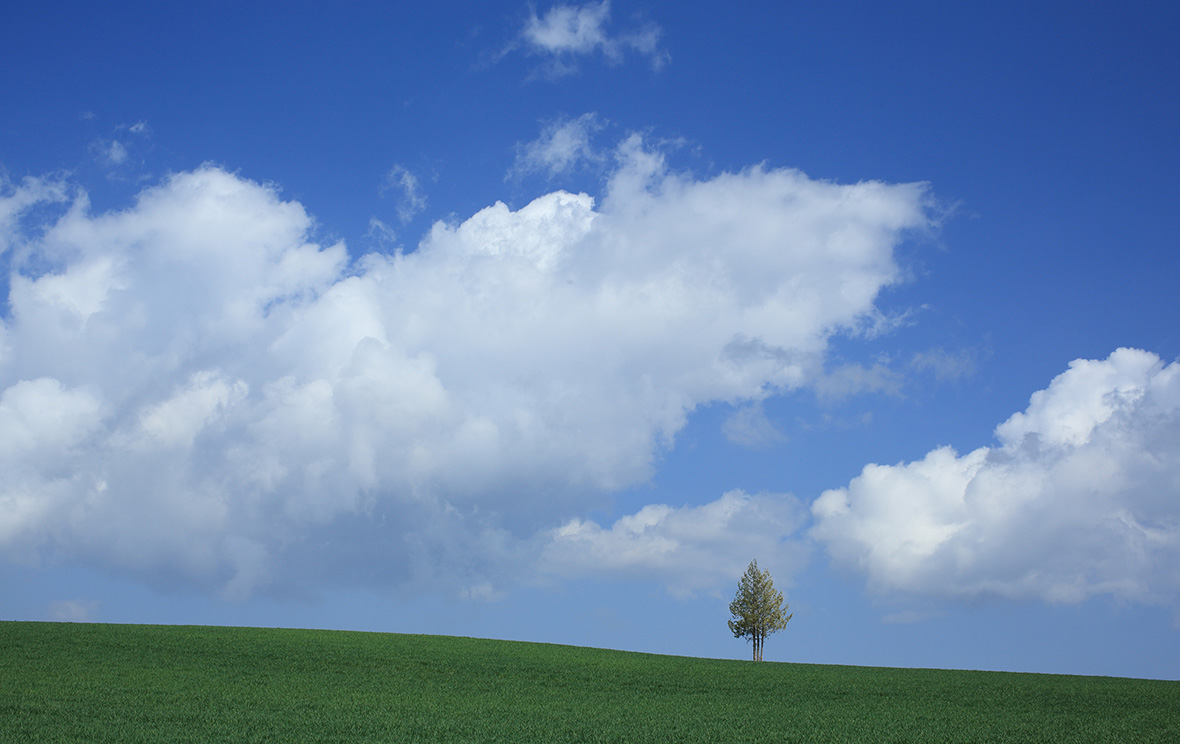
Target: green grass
x: 125, y: 683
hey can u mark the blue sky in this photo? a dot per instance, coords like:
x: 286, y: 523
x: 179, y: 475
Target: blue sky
x: 541, y: 321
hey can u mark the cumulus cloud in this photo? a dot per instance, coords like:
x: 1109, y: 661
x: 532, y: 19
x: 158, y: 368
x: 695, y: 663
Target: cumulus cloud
x: 193, y: 390
x: 566, y: 32
x: 689, y: 549
x: 1080, y: 497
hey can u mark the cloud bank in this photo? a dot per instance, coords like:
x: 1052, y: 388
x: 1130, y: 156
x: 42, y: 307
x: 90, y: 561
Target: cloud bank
x: 1081, y: 497
x: 194, y: 391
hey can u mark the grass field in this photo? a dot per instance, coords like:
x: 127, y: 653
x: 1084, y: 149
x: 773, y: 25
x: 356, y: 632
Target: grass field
x: 124, y: 683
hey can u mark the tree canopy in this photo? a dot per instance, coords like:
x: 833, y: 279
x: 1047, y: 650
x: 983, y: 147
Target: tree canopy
x: 758, y: 609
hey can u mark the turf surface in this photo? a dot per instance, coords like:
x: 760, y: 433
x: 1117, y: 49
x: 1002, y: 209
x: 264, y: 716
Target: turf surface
x: 126, y: 683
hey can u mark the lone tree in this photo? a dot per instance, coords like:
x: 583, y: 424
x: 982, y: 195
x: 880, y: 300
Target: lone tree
x: 758, y: 609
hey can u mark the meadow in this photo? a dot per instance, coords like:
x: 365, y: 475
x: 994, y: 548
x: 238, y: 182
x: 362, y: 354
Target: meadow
x: 64, y: 682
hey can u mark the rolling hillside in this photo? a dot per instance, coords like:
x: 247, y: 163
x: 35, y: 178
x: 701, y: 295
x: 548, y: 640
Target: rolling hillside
x: 123, y: 683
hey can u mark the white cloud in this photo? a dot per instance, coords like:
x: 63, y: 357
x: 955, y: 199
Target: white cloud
x: 689, y: 549
x: 17, y: 200
x: 109, y: 153
x: 844, y: 380
x: 73, y: 610
x: 177, y: 421
x: 481, y: 592
x: 562, y: 146
x: 565, y: 32
x: 380, y: 232
x: 43, y: 431
x: 749, y: 427
x: 1081, y: 497
x: 569, y: 28
x: 116, y: 153
x: 237, y: 407
x: 946, y: 365
x: 410, y: 200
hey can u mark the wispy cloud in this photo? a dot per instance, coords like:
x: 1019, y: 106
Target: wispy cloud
x: 115, y: 154
x: 409, y: 200
x: 563, y: 146
x: 749, y: 427
x: 565, y: 34
x: 73, y: 610
x: 17, y: 200
x: 109, y: 153
x: 945, y: 364
x: 380, y: 232
x: 849, y: 379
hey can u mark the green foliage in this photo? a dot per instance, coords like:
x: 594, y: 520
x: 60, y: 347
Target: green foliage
x: 757, y: 609
x: 122, y: 683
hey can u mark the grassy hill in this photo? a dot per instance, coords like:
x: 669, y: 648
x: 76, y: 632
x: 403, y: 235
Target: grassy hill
x: 124, y: 683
